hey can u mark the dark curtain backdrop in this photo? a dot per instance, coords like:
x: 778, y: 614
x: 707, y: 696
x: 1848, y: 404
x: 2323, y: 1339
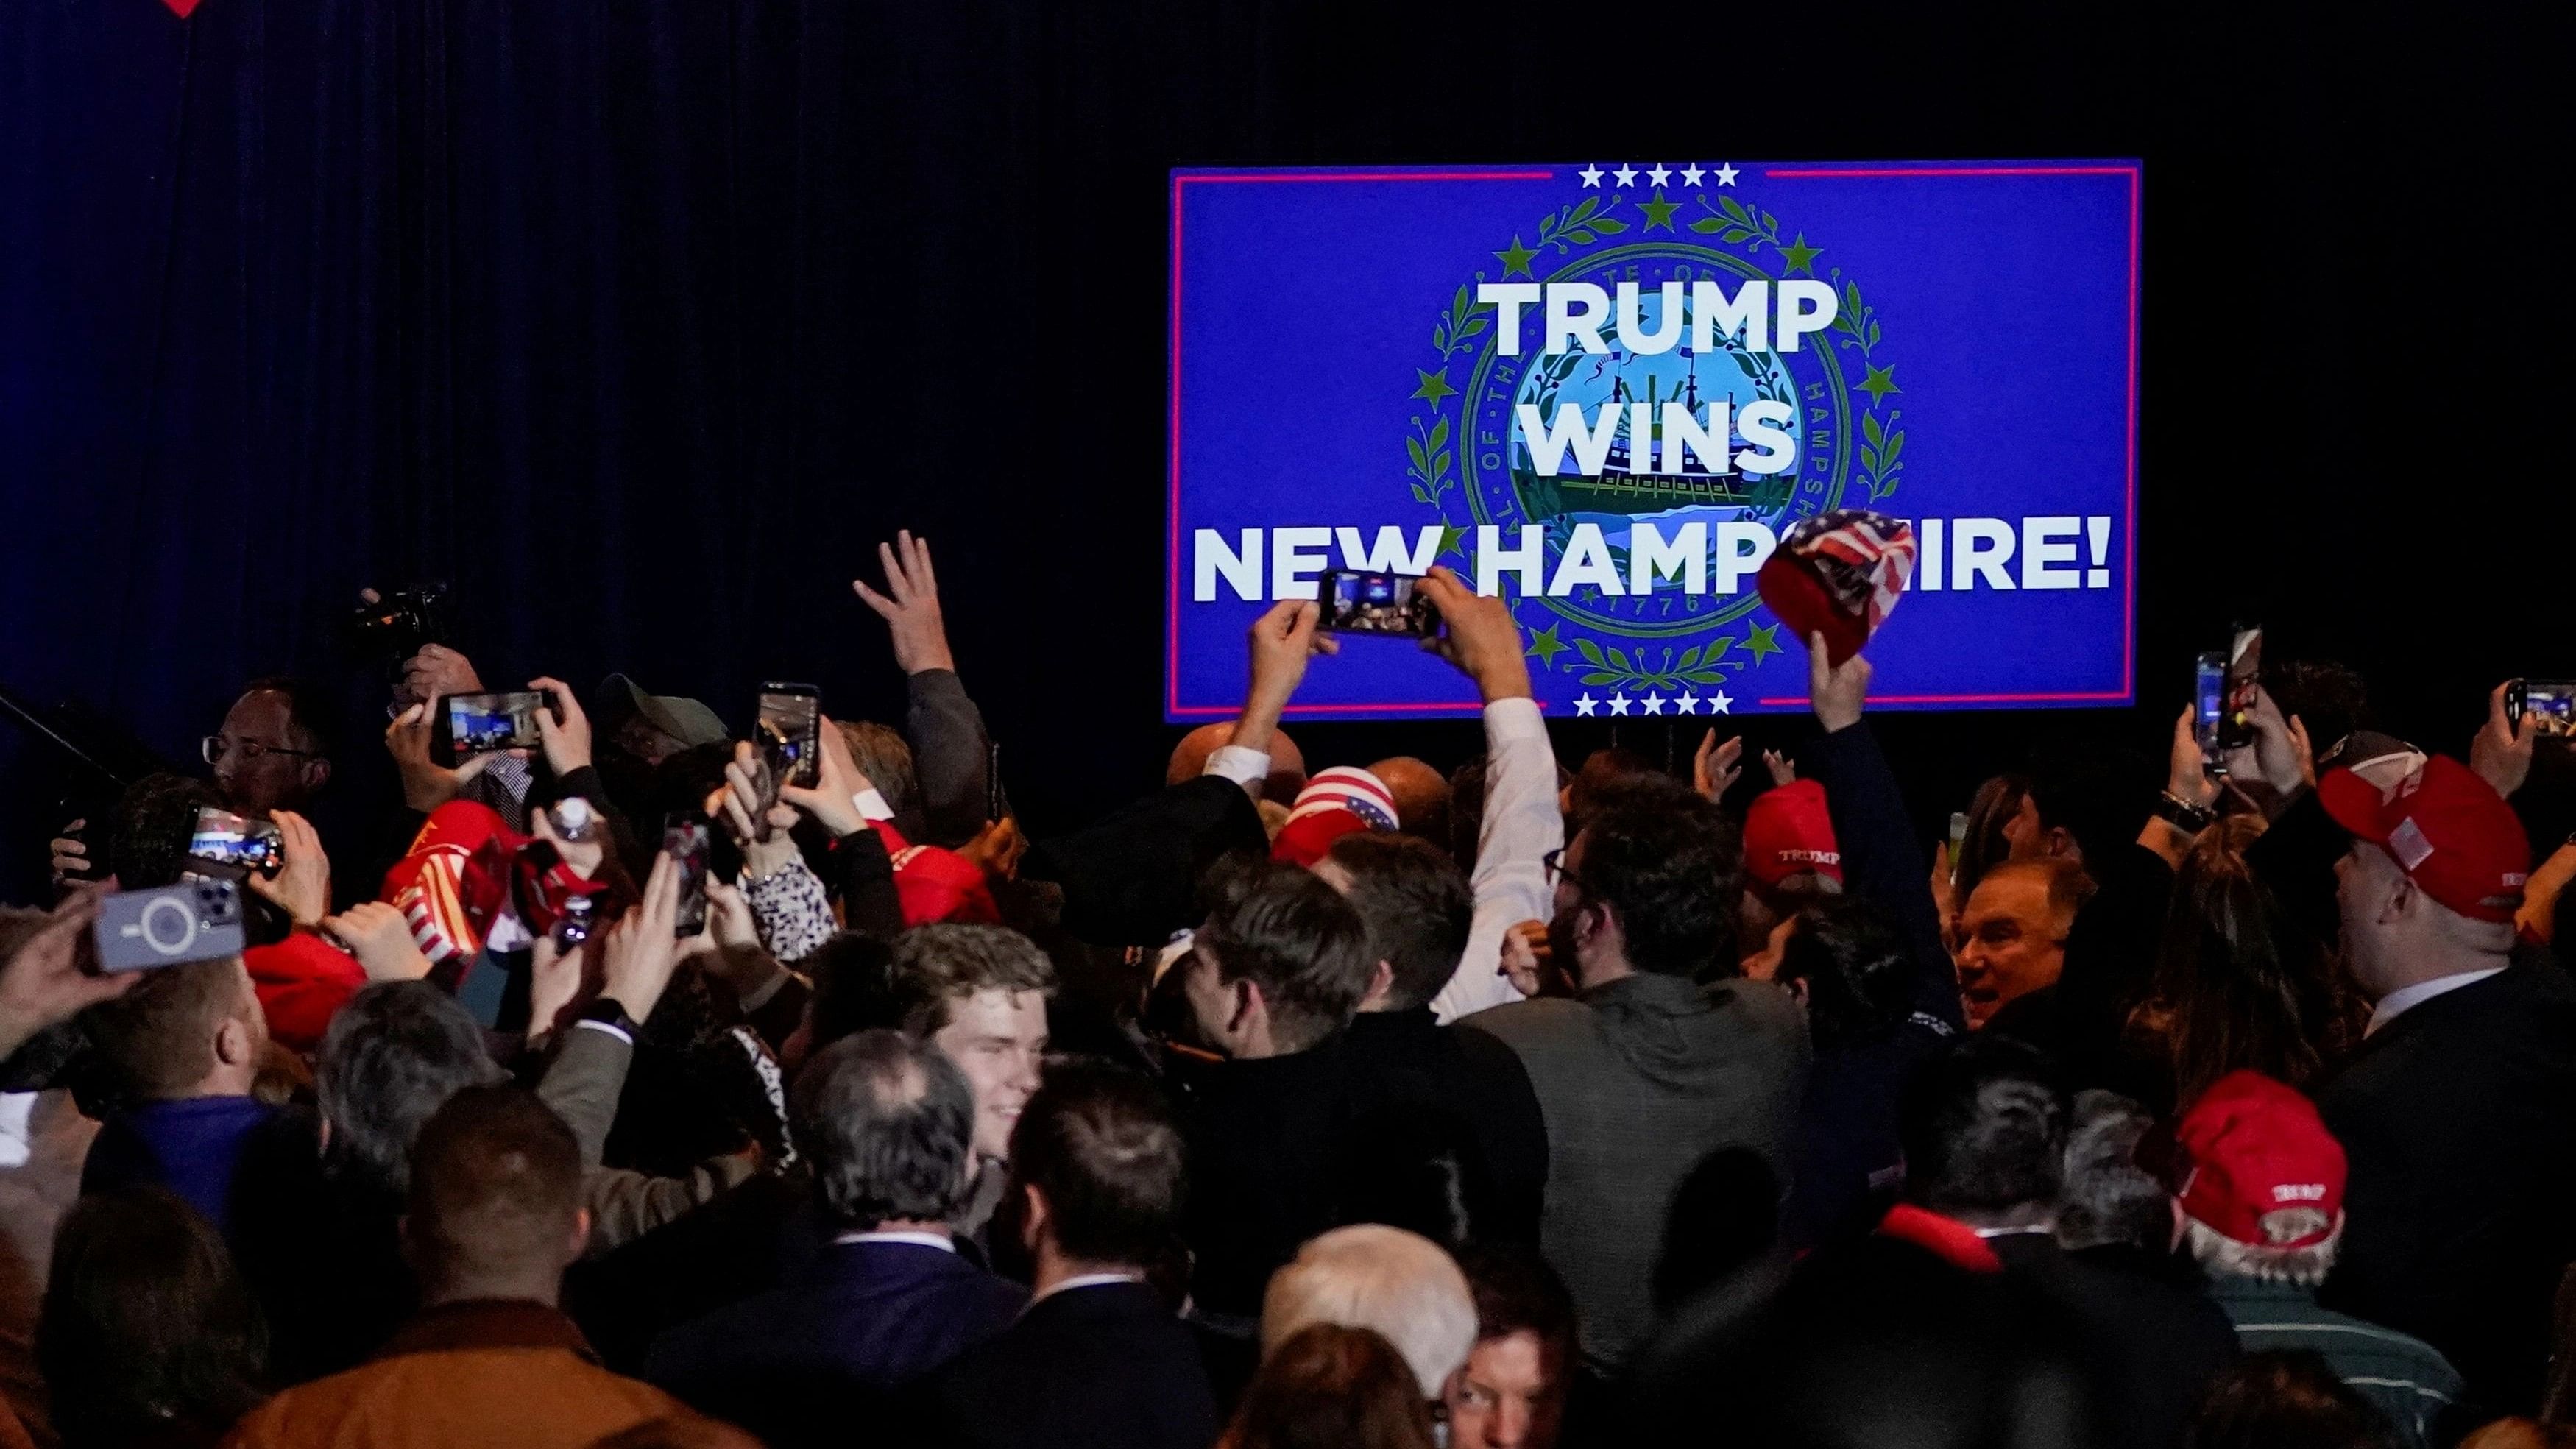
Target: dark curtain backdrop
x: 640, y: 321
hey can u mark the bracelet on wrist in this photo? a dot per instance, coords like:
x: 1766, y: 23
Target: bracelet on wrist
x: 2183, y: 815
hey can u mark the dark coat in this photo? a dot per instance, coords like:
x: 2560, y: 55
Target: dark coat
x: 2459, y: 1118
x: 792, y: 1364
x: 2153, y: 1336
x: 1638, y: 1081
x: 1101, y: 1367
x: 1468, y: 1087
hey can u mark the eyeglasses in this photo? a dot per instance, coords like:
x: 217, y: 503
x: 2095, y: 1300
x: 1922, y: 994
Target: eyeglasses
x: 213, y: 747
x: 1554, y: 863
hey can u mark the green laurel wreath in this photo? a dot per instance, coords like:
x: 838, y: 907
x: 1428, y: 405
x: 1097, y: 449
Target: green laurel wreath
x: 1699, y: 664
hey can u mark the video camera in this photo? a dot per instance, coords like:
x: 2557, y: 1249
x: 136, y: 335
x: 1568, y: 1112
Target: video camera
x: 400, y: 624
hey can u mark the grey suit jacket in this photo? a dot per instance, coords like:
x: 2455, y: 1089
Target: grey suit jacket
x: 1640, y: 1079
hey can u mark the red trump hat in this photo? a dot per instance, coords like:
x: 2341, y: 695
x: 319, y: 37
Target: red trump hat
x: 2252, y: 1151
x: 2446, y: 828
x: 1789, y: 831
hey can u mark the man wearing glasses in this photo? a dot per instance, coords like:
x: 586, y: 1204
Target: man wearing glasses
x: 268, y: 755
x: 1643, y: 1072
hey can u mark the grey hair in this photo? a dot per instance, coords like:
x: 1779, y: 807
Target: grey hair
x: 1401, y: 1284
x: 2306, y: 1267
x: 389, y: 1060
x: 2107, y: 1198
x: 890, y: 1124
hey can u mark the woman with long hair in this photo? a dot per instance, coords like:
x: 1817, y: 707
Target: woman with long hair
x: 2231, y: 988
x: 148, y: 1335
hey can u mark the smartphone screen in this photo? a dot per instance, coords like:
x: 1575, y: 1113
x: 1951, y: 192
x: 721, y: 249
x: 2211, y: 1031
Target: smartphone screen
x: 2244, y: 679
x: 791, y: 733
x: 235, y: 843
x: 1358, y: 603
x: 686, y: 841
x: 478, y: 724
x: 2551, y: 703
x: 2209, y: 702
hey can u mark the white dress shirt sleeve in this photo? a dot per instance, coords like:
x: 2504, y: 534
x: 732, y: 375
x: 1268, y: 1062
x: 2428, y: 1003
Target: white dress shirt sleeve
x: 1247, y: 768
x: 1522, y: 824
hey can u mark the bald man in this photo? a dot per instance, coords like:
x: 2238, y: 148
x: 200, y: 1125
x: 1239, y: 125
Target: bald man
x: 1287, y: 764
x: 1421, y: 797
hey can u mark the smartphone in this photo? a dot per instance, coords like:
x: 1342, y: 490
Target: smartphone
x: 478, y: 724
x: 1361, y: 603
x: 2244, y: 678
x: 234, y: 846
x: 2550, y: 702
x: 195, y: 920
x: 790, y: 733
x: 2208, y: 704
x: 686, y: 841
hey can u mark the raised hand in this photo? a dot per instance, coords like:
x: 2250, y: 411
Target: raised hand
x: 1835, y: 692
x: 837, y: 783
x: 567, y: 739
x: 2280, y: 750
x: 639, y: 953
x: 42, y: 982
x: 302, y: 886
x: 1716, y: 767
x: 2186, y: 769
x: 1478, y: 635
x: 910, y: 605
x: 1282, y: 640
x: 766, y: 845
x: 381, y: 939
x: 434, y: 671
x: 427, y: 784
x: 2501, y: 753
x: 70, y: 855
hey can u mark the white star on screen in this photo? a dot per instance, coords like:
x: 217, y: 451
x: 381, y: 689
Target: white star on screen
x: 1585, y: 703
x: 1654, y: 704
x: 1692, y: 173
x: 1720, y: 703
x: 1659, y: 173
x: 1626, y: 173
x: 1618, y: 704
x: 1726, y: 175
x: 1688, y: 703
x: 1591, y: 175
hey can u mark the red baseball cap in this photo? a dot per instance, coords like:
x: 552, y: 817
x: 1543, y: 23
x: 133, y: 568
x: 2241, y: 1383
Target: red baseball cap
x: 1788, y: 831
x: 2446, y: 828
x: 2251, y: 1147
x: 1838, y: 574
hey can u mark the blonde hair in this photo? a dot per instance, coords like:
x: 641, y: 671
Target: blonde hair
x: 1372, y: 1276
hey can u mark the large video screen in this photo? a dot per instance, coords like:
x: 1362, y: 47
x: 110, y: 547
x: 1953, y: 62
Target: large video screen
x: 1605, y: 390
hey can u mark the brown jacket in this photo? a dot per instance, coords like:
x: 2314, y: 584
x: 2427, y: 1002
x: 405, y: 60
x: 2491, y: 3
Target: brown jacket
x: 463, y: 1376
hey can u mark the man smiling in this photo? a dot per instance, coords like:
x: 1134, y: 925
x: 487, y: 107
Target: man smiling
x: 979, y: 993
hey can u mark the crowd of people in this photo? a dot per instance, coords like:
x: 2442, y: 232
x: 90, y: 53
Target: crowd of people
x: 1535, y: 1103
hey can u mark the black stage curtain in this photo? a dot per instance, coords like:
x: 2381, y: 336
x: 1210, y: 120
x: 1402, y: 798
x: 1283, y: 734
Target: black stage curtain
x: 640, y: 321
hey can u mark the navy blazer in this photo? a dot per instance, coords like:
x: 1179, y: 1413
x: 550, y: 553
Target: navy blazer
x: 1106, y: 1365
x: 794, y: 1364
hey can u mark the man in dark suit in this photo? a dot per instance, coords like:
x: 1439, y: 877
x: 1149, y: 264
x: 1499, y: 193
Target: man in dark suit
x: 1100, y: 1359
x: 890, y: 1124
x: 2459, y: 1109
